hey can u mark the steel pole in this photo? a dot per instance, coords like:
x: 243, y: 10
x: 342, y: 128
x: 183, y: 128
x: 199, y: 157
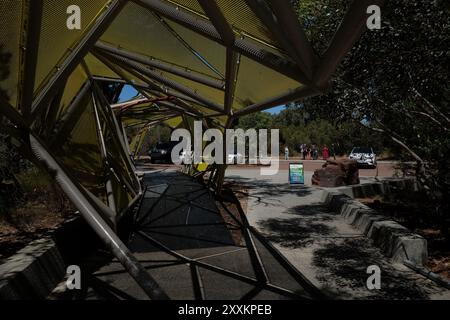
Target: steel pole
x: 101, y: 228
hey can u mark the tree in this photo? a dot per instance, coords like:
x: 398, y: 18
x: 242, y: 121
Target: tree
x: 395, y: 82
x: 258, y: 120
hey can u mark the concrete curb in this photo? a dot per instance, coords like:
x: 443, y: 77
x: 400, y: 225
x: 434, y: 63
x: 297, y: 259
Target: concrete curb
x: 33, y: 272
x: 377, y: 188
x: 394, y: 240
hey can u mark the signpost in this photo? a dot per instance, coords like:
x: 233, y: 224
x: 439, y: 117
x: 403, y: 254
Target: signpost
x: 296, y: 173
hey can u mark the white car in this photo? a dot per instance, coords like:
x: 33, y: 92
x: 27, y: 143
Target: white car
x: 364, y: 156
x: 186, y: 157
x: 236, y: 158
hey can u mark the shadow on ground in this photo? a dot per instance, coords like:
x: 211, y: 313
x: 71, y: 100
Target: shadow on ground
x: 294, y: 233
x: 264, y: 189
x: 346, y: 263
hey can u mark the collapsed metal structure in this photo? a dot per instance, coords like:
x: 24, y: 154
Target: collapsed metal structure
x: 190, y: 59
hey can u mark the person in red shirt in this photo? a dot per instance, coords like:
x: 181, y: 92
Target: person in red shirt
x: 325, y: 153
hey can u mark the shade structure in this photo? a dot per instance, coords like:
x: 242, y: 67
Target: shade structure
x: 189, y: 59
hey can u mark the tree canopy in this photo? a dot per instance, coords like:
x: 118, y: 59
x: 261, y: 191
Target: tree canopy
x: 395, y: 82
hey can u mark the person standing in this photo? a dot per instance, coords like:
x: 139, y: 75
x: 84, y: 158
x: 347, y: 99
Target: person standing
x: 314, y: 152
x: 325, y: 153
x: 333, y: 151
x: 305, y: 151
x: 286, y: 153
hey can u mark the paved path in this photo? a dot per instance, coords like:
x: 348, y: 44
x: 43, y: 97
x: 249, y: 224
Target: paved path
x: 183, y: 241
x: 321, y: 245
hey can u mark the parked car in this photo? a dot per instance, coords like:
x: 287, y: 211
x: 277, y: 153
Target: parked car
x: 162, y: 152
x: 235, y: 158
x: 186, y: 157
x: 365, y: 156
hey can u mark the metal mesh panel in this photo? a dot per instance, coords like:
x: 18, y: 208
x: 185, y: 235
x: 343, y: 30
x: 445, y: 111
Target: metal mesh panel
x: 202, y: 109
x: 239, y: 16
x: 191, y: 5
x: 209, y: 93
x: 242, y: 18
x: 137, y: 29
x: 10, y: 30
x: 98, y: 68
x: 56, y: 38
x: 81, y: 153
x: 174, y: 122
x: 121, y: 197
x: 212, y: 52
x: 257, y: 83
x: 74, y: 84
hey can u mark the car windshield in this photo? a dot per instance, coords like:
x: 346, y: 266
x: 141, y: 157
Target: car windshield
x: 362, y: 150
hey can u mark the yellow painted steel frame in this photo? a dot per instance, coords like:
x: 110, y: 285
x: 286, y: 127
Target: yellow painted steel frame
x: 213, y: 60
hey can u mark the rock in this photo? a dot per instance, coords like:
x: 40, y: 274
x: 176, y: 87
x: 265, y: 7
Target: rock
x: 337, y: 173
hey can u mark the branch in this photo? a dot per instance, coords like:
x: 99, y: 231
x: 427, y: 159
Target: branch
x: 398, y: 141
x: 431, y: 118
x: 430, y: 105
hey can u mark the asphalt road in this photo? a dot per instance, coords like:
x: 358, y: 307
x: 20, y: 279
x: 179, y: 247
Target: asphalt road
x: 384, y: 168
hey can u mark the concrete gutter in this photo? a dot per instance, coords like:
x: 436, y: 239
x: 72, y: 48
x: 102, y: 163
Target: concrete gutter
x: 394, y: 240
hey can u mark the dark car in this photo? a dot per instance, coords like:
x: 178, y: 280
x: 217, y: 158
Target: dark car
x: 162, y: 152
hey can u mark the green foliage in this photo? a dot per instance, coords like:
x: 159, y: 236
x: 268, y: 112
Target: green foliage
x: 320, y: 132
x: 259, y: 120
x: 396, y: 82
x: 33, y: 178
x: 293, y: 115
x: 320, y: 19
x: 297, y: 126
x: 151, y: 139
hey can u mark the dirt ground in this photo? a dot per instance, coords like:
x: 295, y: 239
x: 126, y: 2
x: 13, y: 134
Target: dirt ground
x: 40, y: 212
x: 438, y: 246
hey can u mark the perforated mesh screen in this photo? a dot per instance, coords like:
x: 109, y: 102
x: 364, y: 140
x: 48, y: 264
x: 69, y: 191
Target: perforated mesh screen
x: 138, y: 30
x: 209, y: 93
x: 73, y: 86
x: 174, y: 122
x: 257, y: 83
x: 56, y: 38
x: 98, y: 68
x: 10, y: 53
x: 241, y: 17
x: 189, y: 4
x: 81, y: 153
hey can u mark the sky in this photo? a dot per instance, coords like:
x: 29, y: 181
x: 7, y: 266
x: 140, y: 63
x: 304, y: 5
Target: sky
x: 129, y: 92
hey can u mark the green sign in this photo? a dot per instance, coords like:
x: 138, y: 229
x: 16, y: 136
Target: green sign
x: 296, y: 173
